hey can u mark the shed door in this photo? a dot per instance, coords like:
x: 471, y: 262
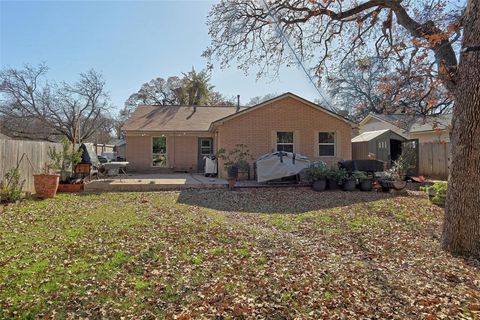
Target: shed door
x: 205, y: 148
x: 410, y: 151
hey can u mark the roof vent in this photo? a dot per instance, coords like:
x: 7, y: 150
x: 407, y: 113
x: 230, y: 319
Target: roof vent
x: 238, y: 102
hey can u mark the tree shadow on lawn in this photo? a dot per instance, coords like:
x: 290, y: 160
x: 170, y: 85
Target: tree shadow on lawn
x: 275, y: 200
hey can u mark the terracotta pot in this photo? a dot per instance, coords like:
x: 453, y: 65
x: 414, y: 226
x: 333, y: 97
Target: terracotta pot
x: 46, y: 185
x: 70, y: 187
x: 231, y: 183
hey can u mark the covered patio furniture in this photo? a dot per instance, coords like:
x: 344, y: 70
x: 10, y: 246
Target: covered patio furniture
x: 277, y: 165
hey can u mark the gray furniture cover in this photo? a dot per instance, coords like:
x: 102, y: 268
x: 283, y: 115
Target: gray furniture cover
x: 277, y: 165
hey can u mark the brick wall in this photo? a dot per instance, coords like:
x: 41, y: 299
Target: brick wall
x: 181, y: 152
x: 257, y: 129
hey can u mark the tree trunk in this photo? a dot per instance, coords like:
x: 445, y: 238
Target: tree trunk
x: 461, y: 229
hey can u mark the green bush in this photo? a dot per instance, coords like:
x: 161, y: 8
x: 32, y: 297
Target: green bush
x: 437, y: 192
x: 335, y: 173
x: 359, y: 175
x: 11, y: 186
x: 316, y: 171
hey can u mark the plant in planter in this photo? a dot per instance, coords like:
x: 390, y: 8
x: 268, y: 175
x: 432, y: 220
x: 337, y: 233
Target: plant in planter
x: 335, y: 176
x: 317, y: 173
x: 67, y: 159
x: 365, y: 182
x: 46, y: 183
x: 235, y: 160
x: 395, y: 177
x: 350, y: 181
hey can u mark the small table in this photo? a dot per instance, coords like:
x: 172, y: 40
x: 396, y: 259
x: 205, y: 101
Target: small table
x: 115, y: 168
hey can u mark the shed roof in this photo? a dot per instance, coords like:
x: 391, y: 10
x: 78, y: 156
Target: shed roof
x: 369, y: 135
x: 176, y: 118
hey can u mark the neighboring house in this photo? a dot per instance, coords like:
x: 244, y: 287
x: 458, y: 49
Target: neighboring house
x: 435, y: 128
x: 176, y: 138
x: 2, y: 136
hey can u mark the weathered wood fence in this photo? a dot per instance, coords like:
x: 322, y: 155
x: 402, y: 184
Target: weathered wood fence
x: 35, y: 156
x: 434, y: 159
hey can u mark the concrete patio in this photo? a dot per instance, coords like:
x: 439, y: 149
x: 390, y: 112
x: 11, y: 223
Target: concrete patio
x: 154, y: 182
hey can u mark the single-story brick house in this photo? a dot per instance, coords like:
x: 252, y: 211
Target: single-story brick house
x: 176, y: 138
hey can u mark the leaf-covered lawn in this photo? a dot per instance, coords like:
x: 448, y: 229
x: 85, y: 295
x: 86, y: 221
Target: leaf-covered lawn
x: 270, y: 253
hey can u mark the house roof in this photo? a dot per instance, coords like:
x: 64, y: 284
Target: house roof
x: 200, y: 118
x: 441, y: 121
x: 176, y: 118
x: 2, y: 136
x: 287, y: 94
x: 411, y: 123
x: 369, y: 135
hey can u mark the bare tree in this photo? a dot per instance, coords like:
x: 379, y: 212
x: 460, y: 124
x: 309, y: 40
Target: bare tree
x: 259, y: 99
x: 72, y: 110
x: 364, y: 85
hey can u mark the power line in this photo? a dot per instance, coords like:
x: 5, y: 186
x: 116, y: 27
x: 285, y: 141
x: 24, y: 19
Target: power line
x: 286, y: 40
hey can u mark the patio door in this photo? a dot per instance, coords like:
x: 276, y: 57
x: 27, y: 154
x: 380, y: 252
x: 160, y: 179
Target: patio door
x: 205, y: 148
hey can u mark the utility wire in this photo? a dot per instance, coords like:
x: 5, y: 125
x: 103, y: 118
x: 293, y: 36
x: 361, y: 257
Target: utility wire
x: 299, y: 61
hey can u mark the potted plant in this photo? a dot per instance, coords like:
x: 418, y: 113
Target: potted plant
x: 335, y: 176
x: 350, y: 181
x: 233, y: 161
x: 316, y: 173
x: 68, y: 158
x: 395, y: 177
x: 365, y: 182
x: 46, y: 183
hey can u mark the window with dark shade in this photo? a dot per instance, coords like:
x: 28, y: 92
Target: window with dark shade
x: 326, y: 144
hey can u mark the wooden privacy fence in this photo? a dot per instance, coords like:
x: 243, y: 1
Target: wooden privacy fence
x: 434, y: 159
x: 11, y: 152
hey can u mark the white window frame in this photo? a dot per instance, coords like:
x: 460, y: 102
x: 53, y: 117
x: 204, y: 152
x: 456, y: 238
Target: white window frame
x: 152, y: 153
x: 334, y: 143
x: 285, y: 143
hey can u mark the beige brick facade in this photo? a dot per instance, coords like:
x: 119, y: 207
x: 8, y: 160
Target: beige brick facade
x: 182, y: 151
x: 257, y: 129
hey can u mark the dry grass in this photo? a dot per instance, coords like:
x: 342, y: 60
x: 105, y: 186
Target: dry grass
x: 276, y: 254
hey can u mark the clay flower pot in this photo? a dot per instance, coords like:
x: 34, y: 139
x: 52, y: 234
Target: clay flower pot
x: 70, y: 187
x: 231, y: 183
x: 46, y: 185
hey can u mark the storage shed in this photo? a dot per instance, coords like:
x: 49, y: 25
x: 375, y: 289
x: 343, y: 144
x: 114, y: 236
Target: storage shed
x: 386, y: 145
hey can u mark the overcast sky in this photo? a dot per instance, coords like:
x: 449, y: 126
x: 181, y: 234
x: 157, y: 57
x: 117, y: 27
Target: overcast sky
x: 128, y: 42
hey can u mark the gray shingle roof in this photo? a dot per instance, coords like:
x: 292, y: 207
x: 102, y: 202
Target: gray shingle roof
x: 176, y: 118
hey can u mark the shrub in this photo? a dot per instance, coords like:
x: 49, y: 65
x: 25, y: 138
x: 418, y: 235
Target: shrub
x: 438, y: 192
x: 359, y: 175
x: 11, y: 186
x: 336, y: 173
x: 316, y: 171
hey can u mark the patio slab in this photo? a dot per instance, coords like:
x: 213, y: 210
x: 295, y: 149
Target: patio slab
x: 154, y: 182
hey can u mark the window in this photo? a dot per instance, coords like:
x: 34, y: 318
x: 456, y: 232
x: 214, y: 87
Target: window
x: 285, y: 141
x: 159, y: 151
x: 205, y: 147
x: 326, y: 144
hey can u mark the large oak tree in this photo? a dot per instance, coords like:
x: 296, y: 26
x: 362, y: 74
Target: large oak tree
x: 324, y: 33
